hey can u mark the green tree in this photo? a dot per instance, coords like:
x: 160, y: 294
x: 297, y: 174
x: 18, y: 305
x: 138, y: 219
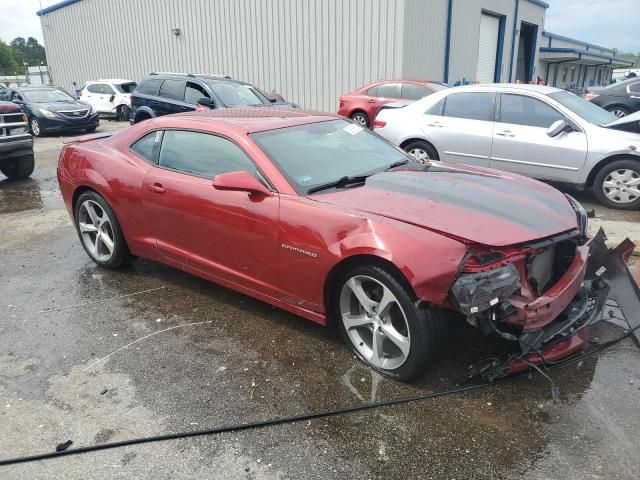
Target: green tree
x: 28, y: 51
x: 8, y: 65
x: 635, y: 58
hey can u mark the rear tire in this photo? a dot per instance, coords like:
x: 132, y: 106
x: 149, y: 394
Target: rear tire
x: 19, y: 167
x: 408, y: 335
x: 100, y: 232
x: 421, y: 151
x: 611, y: 185
x: 361, y: 119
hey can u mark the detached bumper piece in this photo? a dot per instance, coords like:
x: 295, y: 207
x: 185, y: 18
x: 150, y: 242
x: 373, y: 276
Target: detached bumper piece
x: 607, y: 282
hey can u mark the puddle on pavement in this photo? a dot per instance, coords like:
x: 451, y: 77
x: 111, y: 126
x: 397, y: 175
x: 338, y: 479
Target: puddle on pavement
x: 28, y: 194
x: 254, y: 362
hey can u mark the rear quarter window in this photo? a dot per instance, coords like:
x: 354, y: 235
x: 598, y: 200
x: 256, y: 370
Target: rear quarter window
x: 147, y: 147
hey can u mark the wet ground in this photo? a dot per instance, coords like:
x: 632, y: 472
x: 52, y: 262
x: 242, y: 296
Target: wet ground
x: 98, y: 356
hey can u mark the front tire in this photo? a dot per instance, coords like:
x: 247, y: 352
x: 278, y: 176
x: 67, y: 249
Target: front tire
x: 421, y: 151
x: 123, y: 113
x: 361, y: 119
x: 19, y: 167
x: 35, y: 128
x: 90, y: 129
x: 100, y: 232
x: 379, y: 320
x: 617, y: 185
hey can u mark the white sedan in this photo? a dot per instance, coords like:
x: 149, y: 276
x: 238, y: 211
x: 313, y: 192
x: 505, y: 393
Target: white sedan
x: 110, y: 98
x: 537, y: 131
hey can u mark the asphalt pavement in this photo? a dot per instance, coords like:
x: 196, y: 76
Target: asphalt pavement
x: 98, y: 356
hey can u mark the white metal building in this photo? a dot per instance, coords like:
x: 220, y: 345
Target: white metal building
x: 311, y: 51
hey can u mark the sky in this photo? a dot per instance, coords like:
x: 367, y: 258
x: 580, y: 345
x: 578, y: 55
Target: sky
x: 609, y: 23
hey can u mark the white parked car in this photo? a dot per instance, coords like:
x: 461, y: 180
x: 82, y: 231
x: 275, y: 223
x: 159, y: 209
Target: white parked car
x: 537, y: 131
x: 110, y: 98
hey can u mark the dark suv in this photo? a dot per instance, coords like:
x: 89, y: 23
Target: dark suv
x: 16, y: 145
x: 164, y: 93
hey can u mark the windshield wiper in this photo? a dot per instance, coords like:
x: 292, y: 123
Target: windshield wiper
x: 341, y: 182
x: 397, y: 164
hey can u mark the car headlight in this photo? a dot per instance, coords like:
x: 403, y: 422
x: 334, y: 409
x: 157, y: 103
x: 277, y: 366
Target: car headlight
x: 581, y: 215
x: 48, y: 113
x: 476, y: 292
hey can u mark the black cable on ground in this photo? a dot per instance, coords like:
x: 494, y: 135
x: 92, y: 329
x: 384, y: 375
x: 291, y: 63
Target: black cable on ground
x: 297, y: 418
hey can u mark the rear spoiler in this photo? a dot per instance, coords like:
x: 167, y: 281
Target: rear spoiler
x: 87, y: 138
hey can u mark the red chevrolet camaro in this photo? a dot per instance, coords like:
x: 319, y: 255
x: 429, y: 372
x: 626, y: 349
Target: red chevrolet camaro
x: 317, y: 215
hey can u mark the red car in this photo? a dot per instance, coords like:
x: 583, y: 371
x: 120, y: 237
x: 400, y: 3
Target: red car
x: 363, y: 105
x: 319, y: 216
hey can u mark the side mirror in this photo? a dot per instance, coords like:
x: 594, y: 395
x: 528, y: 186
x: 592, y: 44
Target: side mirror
x: 111, y: 98
x: 271, y: 98
x: 240, y: 182
x: 205, y: 102
x: 557, y: 128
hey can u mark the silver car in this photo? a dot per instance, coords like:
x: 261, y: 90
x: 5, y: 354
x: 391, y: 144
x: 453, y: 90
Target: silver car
x: 538, y: 131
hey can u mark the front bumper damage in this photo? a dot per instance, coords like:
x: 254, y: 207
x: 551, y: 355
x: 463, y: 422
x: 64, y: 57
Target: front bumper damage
x: 605, y: 283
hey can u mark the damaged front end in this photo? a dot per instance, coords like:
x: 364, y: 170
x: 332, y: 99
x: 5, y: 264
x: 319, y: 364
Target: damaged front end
x: 543, y: 295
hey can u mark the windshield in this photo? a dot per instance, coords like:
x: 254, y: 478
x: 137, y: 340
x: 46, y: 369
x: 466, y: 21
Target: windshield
x: 238, y: 95
x: 319, y: 153
x: 46, y: 96
x: 583, y: 108
x: 126, y: 87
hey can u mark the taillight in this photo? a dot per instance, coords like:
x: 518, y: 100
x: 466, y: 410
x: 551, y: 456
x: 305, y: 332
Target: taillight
x: 379, y: 124
x: 590, y: 96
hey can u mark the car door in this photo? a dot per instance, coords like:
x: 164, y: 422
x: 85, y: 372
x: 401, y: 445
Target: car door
x: 633, y: 90
x: 521, y: 143
x: 460, y: 126
x: 229, y: 234
x: 413, y: 91
x: 172, y: 97
x: 91, y: 94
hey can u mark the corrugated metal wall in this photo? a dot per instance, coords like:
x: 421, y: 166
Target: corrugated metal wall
x: 425, y: 39
x: 311, y: 51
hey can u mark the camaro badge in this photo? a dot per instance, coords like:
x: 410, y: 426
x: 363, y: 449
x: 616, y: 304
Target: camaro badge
x: 299, y: 250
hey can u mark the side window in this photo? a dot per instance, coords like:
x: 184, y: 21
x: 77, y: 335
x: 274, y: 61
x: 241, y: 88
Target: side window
x: 107, y: 90
x: 634, y: 88
x: 147, y: 147
x: 388, y: 90
x: 194, y: 92
x: 522, y: 110
x: 372, y: 92
x: 173, y: 89
x: 202, y: 154
x: 437, y: 109
x: 471, y: 105
x: 411, y: 91
x: 150, y: 86
x: 94, y: 88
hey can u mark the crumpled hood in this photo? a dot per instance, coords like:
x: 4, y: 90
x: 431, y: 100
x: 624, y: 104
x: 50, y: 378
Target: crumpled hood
x: 478, y: 205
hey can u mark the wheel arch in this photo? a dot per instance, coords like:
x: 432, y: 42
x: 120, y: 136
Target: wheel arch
x: 606, y: 161
x: 358, y: 110
x: 340, y: 268
x: 406, y: 142
x: 143, y: 113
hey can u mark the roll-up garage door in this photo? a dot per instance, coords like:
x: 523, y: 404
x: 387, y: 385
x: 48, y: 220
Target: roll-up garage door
x: 487, y: 48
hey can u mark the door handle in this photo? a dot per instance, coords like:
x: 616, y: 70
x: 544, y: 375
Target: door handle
x: 157, y: 188
x: 435, y: 124
x: 506, y: 133
x: 371, y: 100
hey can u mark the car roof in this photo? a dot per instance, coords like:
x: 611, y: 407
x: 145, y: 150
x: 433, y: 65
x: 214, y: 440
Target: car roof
x: 201, y: 76
x: 117, y: 81
x: 543, y: 89
x: 257, y: 119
